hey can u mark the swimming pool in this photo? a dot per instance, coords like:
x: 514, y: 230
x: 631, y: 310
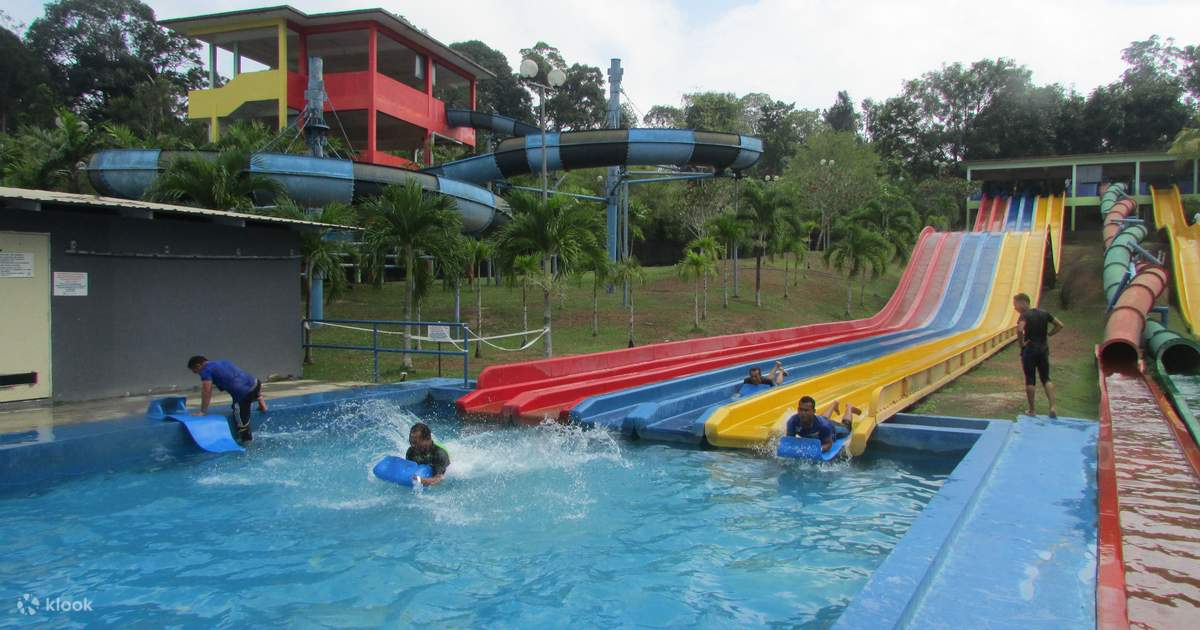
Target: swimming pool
x: 552, y: 526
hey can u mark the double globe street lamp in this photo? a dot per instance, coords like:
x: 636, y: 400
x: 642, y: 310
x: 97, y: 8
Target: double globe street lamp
x: 530, y: 69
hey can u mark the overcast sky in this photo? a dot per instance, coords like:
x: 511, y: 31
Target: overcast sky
x: 799, y: 51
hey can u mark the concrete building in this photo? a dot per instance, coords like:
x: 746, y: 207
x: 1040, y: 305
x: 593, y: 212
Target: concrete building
x: 108, y: 297
x: 388, y: 82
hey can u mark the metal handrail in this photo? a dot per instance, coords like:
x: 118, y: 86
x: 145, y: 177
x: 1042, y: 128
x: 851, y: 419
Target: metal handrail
x: 375, y: 349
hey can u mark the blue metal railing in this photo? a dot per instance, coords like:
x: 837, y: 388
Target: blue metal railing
x: 375, y: 348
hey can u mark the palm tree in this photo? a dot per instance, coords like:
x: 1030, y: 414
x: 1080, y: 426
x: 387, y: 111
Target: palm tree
x: 763, y: 204
x: 603, y: 271
x: 525, y: 269
x: 857, y: 251
x: 695, y: 266
x: 478, y: 252
x: 896, y: 222
x: 628, y: 272
x: 321, y: 255
x: 407, y: 219
x: 705, y: 246
x: 559, y: 229
x: 50, y: 159
x: 728, y: 229
x: 217, y: 181
x: 793, y: 239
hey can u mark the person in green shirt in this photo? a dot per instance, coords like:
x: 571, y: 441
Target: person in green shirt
x: 422, y: 450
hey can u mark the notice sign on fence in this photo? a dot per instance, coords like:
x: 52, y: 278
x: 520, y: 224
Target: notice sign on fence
x: 70, y: 283
x: 16, y: 265
x: 440, y: 333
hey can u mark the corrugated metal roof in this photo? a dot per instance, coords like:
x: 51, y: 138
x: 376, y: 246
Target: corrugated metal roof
x: 113, y: 203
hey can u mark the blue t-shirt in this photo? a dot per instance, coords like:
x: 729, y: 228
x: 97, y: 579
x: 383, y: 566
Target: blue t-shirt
x: 821, y: 428
x: 228, y: 378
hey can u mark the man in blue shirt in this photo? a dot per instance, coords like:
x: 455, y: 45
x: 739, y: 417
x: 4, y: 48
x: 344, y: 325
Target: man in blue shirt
x: 241, y: 386
x: 807, y: 424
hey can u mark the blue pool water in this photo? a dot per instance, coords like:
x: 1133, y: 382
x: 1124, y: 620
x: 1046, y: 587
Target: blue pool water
x: 551, y: 526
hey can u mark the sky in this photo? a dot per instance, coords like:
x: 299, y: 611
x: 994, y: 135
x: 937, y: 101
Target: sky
x: 800, y: 51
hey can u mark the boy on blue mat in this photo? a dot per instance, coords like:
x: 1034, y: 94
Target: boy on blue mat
x: 422, y: 450
x: 807, y: 424
x: 241, y: 386
x: 771, y: 380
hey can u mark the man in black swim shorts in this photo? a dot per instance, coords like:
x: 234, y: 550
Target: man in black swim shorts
x: 1034, y: 329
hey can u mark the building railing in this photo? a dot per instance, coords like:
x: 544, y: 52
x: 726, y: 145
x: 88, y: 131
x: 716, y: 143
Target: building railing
x: 373, y: 326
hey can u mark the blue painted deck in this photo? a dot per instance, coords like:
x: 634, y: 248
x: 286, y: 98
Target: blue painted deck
x: 1009, y: 541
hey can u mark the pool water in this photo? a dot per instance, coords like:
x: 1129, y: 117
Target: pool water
x: 548, y: 526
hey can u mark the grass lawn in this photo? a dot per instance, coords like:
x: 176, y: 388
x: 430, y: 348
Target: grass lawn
x: 664, y: 312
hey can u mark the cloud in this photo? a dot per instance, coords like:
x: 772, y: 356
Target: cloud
x: 800, y: 51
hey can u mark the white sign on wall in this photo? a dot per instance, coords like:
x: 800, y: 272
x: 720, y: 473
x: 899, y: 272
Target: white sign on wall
x: 16, y: 265
x: 70, y: 283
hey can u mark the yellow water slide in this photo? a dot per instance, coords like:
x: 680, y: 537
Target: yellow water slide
x: 885, y: 386
x: 1050, y: 212
x: 1185, y: 251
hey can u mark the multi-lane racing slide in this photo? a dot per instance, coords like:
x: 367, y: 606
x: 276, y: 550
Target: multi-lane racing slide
x: 1185, y: 251
x: 956, y: 315
x: 551, y: 387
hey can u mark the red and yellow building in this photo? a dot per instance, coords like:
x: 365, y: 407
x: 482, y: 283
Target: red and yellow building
x: 388, y: 82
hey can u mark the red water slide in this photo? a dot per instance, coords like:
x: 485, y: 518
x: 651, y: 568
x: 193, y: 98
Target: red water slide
x: 556, y: 401
x: 999, y: 214
x: 984, y: 216
x: 538, y: 388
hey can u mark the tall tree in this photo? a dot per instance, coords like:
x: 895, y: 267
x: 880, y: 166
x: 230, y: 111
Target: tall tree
x: 558, y: 229
x: 629, y: 272
x: 842, y: 116
x: 695, y: 266
x: 504, y: 94
x: 761, y: 209
x: 705, y: 245
x: 832, y: 174
x: 728, y: 229
x: 714, y: 111
x: 24, y: 95
x: 112, y: 61
x: 580, y: 103
x: 860, y: 252
x: 408, y: 220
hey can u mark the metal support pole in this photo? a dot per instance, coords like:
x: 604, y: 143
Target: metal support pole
x: 212, y: 66
x: 736, y: 197
x: 237, y: 58
x: 375, y: 349
x: 542, y: 119
x: 466, y: 355
x: 613, y: 122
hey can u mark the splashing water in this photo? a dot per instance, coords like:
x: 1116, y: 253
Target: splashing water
x: 531, y: 526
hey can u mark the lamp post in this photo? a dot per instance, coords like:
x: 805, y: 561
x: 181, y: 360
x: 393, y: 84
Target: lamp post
x: 530, y: 69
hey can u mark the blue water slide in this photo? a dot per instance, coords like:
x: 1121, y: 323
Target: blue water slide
x: 1014, y: 213
x: 1030, y: 212
x: 675, y: 410
x: 210, y: 432
x: 502, y: 125
x: 310, y: 181
x: 606, y: 147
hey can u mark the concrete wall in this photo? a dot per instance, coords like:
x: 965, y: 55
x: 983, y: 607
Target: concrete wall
x: 143, y: 317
